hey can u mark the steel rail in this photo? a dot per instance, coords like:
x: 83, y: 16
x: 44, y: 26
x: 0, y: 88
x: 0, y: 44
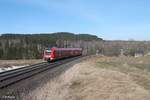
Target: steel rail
x: 5, y: 73
x: 11, y: 77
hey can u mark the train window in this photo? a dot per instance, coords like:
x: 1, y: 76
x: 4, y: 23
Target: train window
x: 57, y: 52
x: 47, y: 52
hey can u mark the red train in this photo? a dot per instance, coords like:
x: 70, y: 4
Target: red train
x: 59, y: 53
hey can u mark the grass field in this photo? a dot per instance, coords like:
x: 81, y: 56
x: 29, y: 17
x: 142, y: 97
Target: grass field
x: 7, y: 63
x: 100, y: 78
x: 138, y: 69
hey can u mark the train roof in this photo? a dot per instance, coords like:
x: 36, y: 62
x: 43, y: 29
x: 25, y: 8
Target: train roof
x: 66, y: 48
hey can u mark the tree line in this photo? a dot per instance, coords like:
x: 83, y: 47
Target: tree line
x: 31, y: 46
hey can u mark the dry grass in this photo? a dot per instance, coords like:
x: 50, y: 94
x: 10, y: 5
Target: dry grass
x: 7, y: 63
x: 99, y: 79
x: 137, y: 68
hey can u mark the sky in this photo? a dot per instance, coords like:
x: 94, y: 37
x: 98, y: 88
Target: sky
x: 108, y: 19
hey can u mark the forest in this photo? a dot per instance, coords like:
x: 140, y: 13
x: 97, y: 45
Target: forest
x: 31, y: 46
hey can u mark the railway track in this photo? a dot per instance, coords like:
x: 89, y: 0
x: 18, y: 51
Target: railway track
x: 12, y: 76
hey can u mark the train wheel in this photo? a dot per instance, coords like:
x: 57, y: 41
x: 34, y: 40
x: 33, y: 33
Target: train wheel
x: 48, y: 60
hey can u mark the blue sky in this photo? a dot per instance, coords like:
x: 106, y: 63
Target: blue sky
x: 109, y: 19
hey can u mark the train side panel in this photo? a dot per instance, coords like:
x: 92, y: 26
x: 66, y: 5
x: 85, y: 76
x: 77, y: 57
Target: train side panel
x: 59, y: 53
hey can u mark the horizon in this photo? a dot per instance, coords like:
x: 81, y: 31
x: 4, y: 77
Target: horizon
x: 110, y: 19
x: 75, y: 34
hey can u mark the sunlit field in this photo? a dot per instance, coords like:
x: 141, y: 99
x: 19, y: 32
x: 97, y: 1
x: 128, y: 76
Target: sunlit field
x: 138, y: 69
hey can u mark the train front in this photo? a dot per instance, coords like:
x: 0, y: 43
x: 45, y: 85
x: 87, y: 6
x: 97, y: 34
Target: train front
x: 47, y: 55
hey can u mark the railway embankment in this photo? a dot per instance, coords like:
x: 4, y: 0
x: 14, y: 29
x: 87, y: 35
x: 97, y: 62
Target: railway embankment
x: 89, y: 78
x: 13, y: 64
x: 99, y: 78
x: 23, y: 87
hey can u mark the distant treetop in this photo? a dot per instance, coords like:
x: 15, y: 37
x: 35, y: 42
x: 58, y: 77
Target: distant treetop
x: 57, y: 35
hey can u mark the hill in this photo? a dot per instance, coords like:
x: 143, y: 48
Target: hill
x: 30, y: 46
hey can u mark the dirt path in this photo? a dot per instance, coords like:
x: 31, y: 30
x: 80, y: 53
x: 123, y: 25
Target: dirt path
x: 89, y: 80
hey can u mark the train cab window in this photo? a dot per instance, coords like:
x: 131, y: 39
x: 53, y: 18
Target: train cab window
x: 47, y: 52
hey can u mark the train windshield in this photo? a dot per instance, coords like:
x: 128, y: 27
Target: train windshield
x: 47, y: 52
